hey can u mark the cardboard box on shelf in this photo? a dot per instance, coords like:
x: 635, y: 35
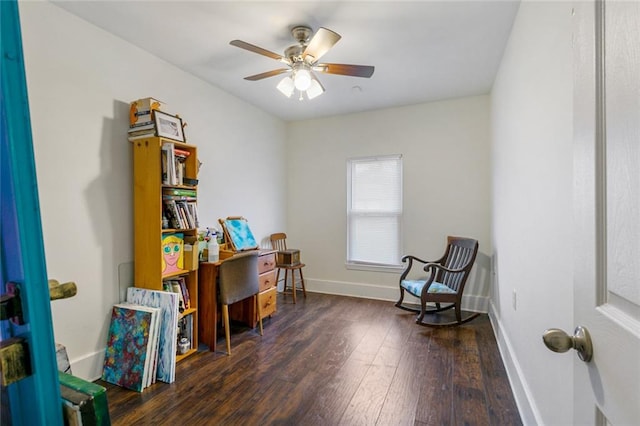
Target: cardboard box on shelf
x: 191, y: 254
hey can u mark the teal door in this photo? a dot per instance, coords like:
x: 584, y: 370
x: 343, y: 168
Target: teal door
x: 34, y: 400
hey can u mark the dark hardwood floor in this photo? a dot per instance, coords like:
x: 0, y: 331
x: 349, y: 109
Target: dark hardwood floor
x: 331, y: 360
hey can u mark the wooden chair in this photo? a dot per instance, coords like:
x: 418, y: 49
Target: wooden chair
x: 279, y: 243
x: 238, y: 280
x: 445, y: 282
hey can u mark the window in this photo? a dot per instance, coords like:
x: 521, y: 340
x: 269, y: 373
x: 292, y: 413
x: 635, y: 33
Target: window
x: 374, y: 211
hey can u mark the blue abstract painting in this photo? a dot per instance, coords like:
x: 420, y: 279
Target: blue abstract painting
x: 168, y: 304
x: 241, y: 236
x: 127, y: 347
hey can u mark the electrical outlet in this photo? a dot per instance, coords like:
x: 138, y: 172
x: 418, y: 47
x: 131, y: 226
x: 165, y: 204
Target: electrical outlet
x: 514, y: 300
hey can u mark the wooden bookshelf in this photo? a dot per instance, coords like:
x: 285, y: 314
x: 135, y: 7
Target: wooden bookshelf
x: 148, y: 221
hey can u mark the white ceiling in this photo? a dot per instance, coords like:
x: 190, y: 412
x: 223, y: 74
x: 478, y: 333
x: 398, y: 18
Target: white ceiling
x: 422, y: 50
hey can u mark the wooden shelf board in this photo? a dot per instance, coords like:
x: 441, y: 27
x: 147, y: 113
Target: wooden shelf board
x: 183, y: 356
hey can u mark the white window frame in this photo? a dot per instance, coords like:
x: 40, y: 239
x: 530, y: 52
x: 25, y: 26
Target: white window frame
x: 372, y: 265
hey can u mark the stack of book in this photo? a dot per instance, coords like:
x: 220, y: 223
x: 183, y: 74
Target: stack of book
x: 173, y: 164
x: 142, y: 131
x: 180, y: 208
x: 141, y: 120
x: 131, y: 357
x: 178, y: 286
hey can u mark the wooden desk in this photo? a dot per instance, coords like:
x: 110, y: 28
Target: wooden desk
x: 208, y: 311
x: 244, y: 310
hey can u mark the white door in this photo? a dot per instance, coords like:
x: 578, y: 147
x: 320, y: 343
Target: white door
x: 607, y: 202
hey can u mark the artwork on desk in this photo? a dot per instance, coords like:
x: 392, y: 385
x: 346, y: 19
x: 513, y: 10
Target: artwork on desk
x: 240, y: 234
x: 129, y: 356
x: 172, y: 253
x: 168, y: 303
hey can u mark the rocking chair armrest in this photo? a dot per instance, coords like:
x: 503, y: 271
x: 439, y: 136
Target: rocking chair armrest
x: 444, y: 268
x: 409, y: 258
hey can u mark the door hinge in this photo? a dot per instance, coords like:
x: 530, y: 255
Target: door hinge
x: 15, y: 363
x: 11, y: 305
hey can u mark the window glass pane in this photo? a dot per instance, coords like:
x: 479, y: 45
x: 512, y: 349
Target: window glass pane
x: 374, y: 213
x: 374, y: 239
x: 376, y: 185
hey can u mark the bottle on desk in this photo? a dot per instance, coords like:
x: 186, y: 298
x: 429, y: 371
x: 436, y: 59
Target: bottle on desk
x: 213, y: 249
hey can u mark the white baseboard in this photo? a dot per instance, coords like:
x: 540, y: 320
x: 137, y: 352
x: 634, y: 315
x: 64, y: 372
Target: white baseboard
x: 471, y: 303
x: 341, y: 288
x: 521, y: 393
x: 88, y: 367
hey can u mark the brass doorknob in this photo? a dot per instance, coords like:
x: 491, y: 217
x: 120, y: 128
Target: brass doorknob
x: 559, y: 341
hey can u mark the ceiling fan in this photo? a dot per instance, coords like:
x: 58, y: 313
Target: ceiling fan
x: 302, y: 60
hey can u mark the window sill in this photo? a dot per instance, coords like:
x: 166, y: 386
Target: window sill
x: 375, y: 268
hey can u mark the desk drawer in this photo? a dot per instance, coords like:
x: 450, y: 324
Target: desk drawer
x: 266, y: 262
x: 267, y: 301
x: 267, y: 280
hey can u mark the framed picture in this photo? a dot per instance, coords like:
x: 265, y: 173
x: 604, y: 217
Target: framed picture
x: 168, y: 126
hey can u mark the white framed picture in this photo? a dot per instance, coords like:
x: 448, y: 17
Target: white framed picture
x: 168, y: 126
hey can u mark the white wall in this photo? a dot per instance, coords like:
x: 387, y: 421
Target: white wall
x: 80, y: 81
x: 445, y: 148
x: 532, y: 117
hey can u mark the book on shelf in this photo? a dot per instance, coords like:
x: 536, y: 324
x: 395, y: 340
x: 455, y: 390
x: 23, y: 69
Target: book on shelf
x: 181, y: 153
x: 189, y: 220
x: 141, y: 127
x: 163, y: 166
x: 178, y: 197
x: 178, y: 191
x: 185, y: 292
x: 171, y: 212
x: 173, y: 164
x: 143, y: 118
x: 183, y: 218
x: 173, y: 286
x: 148, y: 134
x: 193, y: 209
x: 140, y: 131
x: 180, y: 167
x: 169, y: 164
x: 131, y: 346
x: 182, y: 214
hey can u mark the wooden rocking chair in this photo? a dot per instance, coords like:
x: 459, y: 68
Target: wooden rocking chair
x: 445, y: 283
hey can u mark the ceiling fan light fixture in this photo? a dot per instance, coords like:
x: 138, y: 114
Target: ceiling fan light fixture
x: 315, y: 89
x: 286, y: 86
x: 302, y: 77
